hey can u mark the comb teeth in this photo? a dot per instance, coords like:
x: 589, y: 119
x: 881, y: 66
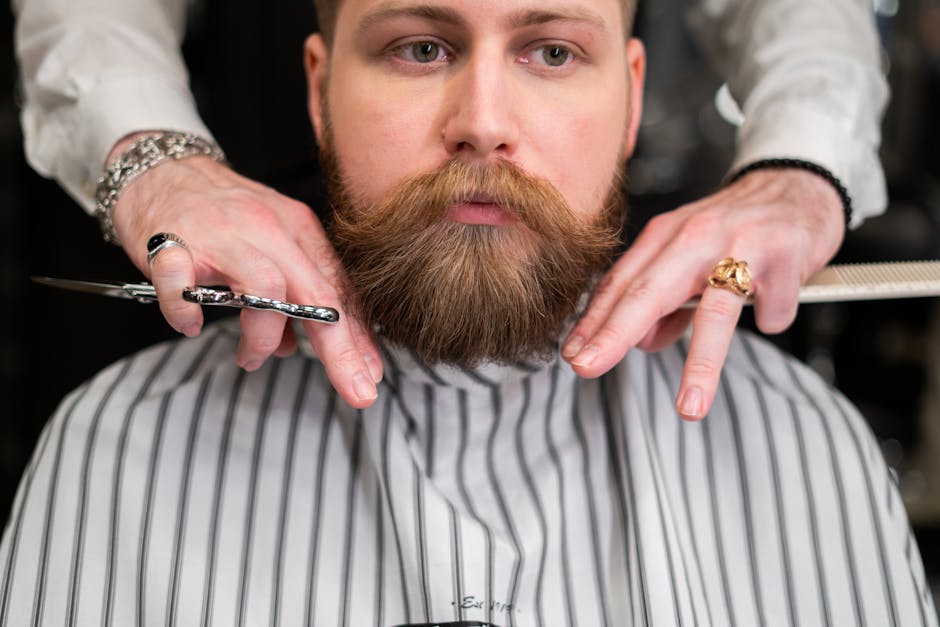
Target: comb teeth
x: 868, y: 281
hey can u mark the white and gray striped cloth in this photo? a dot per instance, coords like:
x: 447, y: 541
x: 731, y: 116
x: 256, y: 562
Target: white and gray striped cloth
x: 175, y: 489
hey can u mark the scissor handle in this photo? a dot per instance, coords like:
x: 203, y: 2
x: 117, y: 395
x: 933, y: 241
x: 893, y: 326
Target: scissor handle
x: 224, y: 296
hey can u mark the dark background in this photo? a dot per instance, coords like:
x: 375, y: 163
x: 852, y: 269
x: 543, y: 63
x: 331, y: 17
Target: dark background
x: 245, y: 58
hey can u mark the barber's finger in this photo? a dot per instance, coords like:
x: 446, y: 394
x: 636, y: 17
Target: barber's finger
x: 320, y: 252
x: 346, y: 349
x: 334, y: 344
x: 715, y: 320
x: 171, y: 272
x: 343, y: 359
x: 666, y: 331
x: 653, y: 295
x: 620, y: 280
x: 288, y: 342
x: 351, y: 363
x: 262, y: 335
x: 262, y: 331
x: 777, y: 302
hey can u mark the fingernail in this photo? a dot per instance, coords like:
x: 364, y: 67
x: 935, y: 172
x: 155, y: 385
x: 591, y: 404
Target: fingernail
x: 374, y: 371
x: 690, y: 403
x: 252, y: 365
x: 572, y: 347
x: 191, y: 330
x: 587, y: 356
x: 364, y: 387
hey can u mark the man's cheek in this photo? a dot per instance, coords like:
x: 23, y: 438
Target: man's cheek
x: 381, y: 151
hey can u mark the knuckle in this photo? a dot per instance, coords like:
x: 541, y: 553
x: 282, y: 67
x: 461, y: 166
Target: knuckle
x: 263, y: 344
x: 589, y: 320
x: 643, y: 292
x: 300, y: 208
x: 324, y: 257
x: 605, y: 285
x: 718, y: 309
x: 275, y: 283
x: 701, y: 367
x: 361, y: 335
x: 611, y: 335
x: 640, y: 291
x: 773, y: 326
x: 699, y: 223
x: 775, y: 320
x: 659, y: 225
x: 171, y: 262
x: 175, y: 307
x: 265, y: 275
x: 257, y: 213
x: 169, y: 277
x: 344, y: 358
x: 347, y: 354
x: 334, y: 345
x: 178, y: 313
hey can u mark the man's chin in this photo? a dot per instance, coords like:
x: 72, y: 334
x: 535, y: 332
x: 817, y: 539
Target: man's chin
x: 464, y: 306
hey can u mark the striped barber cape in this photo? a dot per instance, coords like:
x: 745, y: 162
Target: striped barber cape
x: 176, y: 489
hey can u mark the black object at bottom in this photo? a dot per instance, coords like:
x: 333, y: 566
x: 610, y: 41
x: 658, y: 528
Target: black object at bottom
x: 155, y: 241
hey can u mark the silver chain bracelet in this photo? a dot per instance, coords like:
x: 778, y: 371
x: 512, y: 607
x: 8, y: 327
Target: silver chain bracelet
x: 144, y: 154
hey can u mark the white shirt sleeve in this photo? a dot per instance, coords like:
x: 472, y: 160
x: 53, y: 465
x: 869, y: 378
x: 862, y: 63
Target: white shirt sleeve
x: 808, y: 78
x: 93, y: 71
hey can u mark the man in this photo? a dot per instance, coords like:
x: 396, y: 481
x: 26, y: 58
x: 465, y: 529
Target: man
x: 807, y: 74
x: 475, y: 150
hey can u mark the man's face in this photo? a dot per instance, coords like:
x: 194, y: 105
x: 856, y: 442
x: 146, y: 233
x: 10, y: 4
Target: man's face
x: 409, y: 88
x: 551, y: 85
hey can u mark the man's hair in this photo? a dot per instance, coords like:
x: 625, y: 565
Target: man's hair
x: 327, y: 10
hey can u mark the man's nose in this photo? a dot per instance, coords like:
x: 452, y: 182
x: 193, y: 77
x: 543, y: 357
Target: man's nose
x: 481, y: 120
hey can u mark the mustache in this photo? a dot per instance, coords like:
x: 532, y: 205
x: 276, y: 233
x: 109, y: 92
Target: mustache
x: 422, y: 201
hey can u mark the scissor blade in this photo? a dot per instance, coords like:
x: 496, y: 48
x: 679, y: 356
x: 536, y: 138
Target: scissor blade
x: 103, y: 288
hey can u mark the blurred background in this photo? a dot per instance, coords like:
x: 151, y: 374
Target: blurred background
x: 246, y: 70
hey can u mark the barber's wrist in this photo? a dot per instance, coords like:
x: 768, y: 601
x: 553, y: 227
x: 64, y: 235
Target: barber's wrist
x: 124, y: 144
x: 821, y: 173
x: 134, y: 155
x: 807, y: 200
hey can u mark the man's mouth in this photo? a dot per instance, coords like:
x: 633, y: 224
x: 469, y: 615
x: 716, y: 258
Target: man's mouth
x: 480, y: 210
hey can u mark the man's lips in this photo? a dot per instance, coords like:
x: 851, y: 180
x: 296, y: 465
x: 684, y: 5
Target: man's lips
x: 480, y: 210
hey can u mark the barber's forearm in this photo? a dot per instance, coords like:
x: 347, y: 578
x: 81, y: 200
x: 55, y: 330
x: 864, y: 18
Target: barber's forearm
x: 799, y: 131
x: 72, y: 143
x: 807, y: 75
x: 92, y: 74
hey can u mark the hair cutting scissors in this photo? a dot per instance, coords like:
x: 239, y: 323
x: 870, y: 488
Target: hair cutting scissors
x: 837, y: 282
x: 216, y: 295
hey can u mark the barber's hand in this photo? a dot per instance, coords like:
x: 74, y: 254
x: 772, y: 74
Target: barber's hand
x: 255, y: 240
x: 786, y: 223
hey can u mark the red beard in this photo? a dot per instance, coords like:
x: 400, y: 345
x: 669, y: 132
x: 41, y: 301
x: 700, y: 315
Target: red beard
x: 464, y: 294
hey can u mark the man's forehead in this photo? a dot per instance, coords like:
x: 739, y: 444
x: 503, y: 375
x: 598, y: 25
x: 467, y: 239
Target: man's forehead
x: 507, y: 14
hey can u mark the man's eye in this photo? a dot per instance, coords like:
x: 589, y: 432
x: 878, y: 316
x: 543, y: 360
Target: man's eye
x: 555, y: 56
x: 425, y: 51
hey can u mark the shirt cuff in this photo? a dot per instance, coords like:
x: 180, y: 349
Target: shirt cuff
x: 71, y: 143
x: 796, y: 131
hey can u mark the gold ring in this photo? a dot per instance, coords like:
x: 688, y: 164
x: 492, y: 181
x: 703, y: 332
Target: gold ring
x: 733, y: 276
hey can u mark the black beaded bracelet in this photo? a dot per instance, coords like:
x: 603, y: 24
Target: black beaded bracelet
x: 803, y: 165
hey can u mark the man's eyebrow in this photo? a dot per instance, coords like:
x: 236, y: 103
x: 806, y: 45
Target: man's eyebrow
x: 446, y: 15
x: 534, y: 17
x: 390, y: 10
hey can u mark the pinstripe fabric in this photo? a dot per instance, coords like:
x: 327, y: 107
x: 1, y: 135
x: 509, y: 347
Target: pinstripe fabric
x: 175, y: 489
